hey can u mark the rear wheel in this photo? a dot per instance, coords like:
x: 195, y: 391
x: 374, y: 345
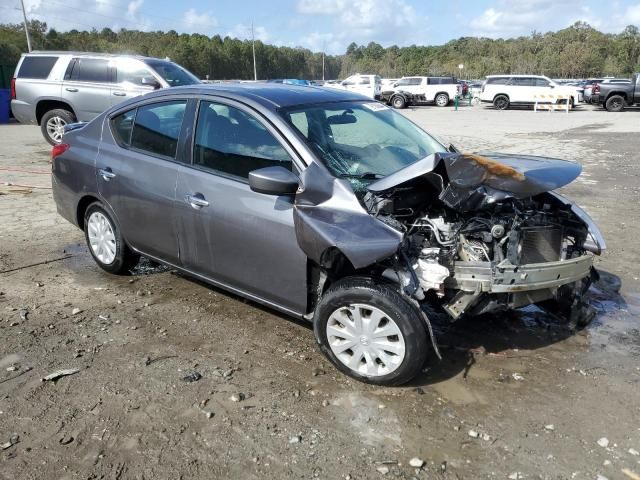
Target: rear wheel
x: 53, y: 122
x: 442, y: 100
x: 369, y: 332
x: 501, y: 102
x: 105, y: 241
x: 398, y: 102
x: 615, y: 103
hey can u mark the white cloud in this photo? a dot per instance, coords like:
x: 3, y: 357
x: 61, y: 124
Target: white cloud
x: 243, y: 31
x: 363, y: 21
x: 133, y: 7
x: 195, y: 21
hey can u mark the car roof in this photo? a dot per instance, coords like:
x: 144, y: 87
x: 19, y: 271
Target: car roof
x: 89, y: 54
x: 270, y: 95
x: 514, y: 75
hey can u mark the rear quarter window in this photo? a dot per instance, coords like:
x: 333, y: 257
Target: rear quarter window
x: 498, y: 81
x: 37, y: 67
x: 122, y: 126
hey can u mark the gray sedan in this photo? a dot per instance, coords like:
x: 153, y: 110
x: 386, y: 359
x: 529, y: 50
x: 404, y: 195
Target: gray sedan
x: 327, y: 206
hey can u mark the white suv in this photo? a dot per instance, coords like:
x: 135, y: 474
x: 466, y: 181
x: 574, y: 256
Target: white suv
x: 369, y: 85
x: 506, y: 90
x: 438, y: 90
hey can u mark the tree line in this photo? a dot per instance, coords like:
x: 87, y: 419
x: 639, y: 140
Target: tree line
x: 578, y: 51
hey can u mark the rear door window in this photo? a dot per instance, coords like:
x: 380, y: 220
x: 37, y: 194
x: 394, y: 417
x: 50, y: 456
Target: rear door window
x: 37, y: 67
x: 93, y: 70
x: 157, y: 127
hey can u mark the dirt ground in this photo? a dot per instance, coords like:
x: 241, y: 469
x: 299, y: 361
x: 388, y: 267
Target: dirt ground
x: 516, y: 397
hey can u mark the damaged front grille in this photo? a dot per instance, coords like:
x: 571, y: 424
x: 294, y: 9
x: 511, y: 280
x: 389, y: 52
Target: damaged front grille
x: 539, y: 245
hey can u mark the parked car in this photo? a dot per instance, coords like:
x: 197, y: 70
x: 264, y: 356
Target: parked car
x: 327, y: 206
x: 504, y: 91
x: 53, y: 89
x: 615, y: 96
x: 588, y: 87
x: 368, y: 85
x: 438, y: 90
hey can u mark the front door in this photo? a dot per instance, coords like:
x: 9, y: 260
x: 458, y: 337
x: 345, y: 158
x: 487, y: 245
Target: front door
x: 137, y: 170
x: 229, y: 233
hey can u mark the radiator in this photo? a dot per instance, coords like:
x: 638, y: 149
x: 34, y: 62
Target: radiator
x: 540, y: 244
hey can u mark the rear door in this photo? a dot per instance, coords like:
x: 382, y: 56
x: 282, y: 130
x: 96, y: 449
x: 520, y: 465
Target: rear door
x: 229, y: 233
x: 137, y: 168
x: 87, y: 86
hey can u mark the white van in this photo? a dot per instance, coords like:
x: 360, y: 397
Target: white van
x: 369, y: 85
x: 506, y: 90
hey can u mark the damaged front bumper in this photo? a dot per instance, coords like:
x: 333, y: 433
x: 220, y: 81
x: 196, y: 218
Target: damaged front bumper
x: 524, y: 283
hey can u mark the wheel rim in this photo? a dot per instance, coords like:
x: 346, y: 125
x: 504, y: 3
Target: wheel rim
x: 365, y: 339
x: 616, y: 104
x: 102, y: 239
x: 441, y: 100
x: 55, y: 128
x: 500, y: 103
x: 397, y: 103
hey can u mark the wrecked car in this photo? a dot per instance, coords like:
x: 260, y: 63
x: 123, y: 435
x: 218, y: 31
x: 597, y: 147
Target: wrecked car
x: 330, y: 207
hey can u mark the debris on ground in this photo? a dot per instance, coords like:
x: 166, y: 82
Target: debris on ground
x: 60, y: 373
x: 24, y: 312
x: 416, y: 462
x: 630, y: 474
x: 473, y: 434
x: 76, y: 311
x: 516, y: 476
x: 633, y: 452
x: 66, y: 440
x: 517, y: 377
x: 12, y: 441
x: 603, y: 442
x: 550, y: 427
x: 237, y: 397
x: 295, y: 439
x: 383, y: 469
x: 192, y: 377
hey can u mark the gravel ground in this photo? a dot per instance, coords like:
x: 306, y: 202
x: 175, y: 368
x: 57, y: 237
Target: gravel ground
x: 516, y: 396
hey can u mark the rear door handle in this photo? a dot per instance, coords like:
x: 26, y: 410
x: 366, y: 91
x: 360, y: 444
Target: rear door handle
x: 106, y: 174
x: 120, y: 94
x: 71, y: 89
x: 196, y: 200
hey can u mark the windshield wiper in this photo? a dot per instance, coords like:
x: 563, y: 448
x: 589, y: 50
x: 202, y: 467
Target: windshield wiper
x: 362, y: 176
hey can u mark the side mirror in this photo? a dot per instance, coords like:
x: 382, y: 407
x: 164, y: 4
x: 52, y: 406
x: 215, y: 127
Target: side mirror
x: 452, y: 148
x: 273, y: 181
x: 151, y: 82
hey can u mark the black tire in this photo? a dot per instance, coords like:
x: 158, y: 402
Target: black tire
x: 615, y: 103
x: 125, y: 259
x: 398, y: 102
x: 63, y: 116
x: 442, y: 100
x: 363, y: 290
x: 501, y: 102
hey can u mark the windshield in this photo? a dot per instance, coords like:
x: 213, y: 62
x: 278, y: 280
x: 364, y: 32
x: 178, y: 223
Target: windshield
x: 173, y: 74
x: 361, y: 141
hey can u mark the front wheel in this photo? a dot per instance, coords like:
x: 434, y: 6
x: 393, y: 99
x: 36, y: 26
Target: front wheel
x: 369, y: 332
x: 442, y: 100
x: 105, y: 241
x: 614, y: 103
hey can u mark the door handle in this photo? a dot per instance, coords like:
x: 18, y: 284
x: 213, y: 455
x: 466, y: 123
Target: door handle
x: 120, y: 94
x: 71, y: 89
x: 106, y: 174
x: 196, y: 201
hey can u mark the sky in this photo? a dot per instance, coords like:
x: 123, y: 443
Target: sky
x: 331, y: 25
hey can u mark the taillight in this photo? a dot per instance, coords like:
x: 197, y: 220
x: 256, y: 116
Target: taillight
x: 595, y: 88
x: 59, y: 149
x: 13, y: 89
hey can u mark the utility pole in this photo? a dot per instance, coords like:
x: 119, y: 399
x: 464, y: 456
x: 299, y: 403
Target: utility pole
x: 26, y: 25
x: 323, y: 45
x: 253, y: 42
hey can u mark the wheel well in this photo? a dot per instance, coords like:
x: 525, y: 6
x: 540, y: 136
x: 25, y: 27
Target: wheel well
x: 621, y: 94
x: 500, y: 95
x: 46, y: 105
x: 334, y: 265
x: 83, y: 204
x: 442, y: 93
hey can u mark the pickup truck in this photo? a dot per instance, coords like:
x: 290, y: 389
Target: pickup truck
x: 616, y: 96
x: 438, y: 90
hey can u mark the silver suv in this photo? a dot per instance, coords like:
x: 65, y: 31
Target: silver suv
x: 52, y: 89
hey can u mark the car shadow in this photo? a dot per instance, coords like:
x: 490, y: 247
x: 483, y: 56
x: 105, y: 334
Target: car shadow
x: 526, y: 329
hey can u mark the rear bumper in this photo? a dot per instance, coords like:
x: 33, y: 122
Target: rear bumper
x: 23, y: 112
x: 595, y: 98
x: 508, y: 278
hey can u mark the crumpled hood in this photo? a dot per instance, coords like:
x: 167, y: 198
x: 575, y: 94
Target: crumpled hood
x: 472, y: 181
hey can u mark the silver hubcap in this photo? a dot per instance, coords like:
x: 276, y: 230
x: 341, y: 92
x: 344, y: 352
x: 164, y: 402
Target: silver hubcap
x: 102, y: 240
x: 55, y: 128
x: 365, y: 339
x: 441, y: 100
